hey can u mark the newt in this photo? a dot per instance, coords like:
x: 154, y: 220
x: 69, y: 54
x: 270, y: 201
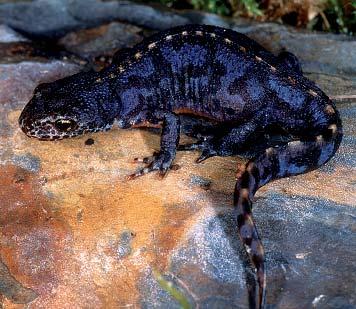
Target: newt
x: 202, y: 71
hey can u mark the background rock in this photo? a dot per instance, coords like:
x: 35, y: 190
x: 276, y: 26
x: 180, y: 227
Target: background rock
x: 327, y: 53
x: 101, y: 41
x: 8, y: 35
x: 53, y: 18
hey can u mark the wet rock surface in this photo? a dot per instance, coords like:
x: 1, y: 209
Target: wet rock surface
x: 75, y: 234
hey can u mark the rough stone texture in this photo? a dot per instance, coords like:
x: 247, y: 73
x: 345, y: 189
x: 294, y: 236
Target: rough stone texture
x: 8, y: 35
x: 18, y: 80
x: 49, y: 18
x: 101, y: 41
x: 326, y: 53
x: 75, y: 234
x: 332, y: 54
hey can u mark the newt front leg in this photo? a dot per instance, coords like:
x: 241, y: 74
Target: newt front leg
x: 160, y: 161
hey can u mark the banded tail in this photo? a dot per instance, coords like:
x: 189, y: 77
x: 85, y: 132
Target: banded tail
x: 276, y: 162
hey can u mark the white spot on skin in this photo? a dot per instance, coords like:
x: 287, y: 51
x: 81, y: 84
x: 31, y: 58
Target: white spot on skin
x: 329, y: 109
x: 121, y: 69
x: 312, y: 92
x: 294, y: 143
x: 333, y: 128
x: 184, y: 33
x: 273, y: 69
x: 243, y: 49
x: 168, y: 37
x: 152, y: 45
x: 319, y: 138
x: 138, y: 55
x: 258, y: 58
x: 213, y: 35
x: 228, y: 41
x: 199, y: 33
x: 99, y: 80
x: 120, y: 123
x: 269, y: 151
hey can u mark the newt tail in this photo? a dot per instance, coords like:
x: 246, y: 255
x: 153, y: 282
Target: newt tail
x: 294, y: 158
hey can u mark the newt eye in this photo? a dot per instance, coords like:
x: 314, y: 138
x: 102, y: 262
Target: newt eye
x: 65, y: 125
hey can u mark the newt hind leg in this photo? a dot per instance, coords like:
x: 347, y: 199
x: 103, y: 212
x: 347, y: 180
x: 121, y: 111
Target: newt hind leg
x: 224, y: 142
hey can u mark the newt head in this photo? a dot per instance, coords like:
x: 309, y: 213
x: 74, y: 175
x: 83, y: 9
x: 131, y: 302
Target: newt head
x: 69, y: 107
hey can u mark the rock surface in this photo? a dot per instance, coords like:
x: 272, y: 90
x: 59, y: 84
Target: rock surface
x: 101, y: 41
x: 75, y: 234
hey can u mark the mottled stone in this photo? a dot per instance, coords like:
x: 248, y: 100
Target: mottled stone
x: 307, y: 238
x: 124, y: 247
x: 54, y: 18
x: 42, y: 18
x: 12, y: 289
x: 101, y: 41
x: 8, y: 35
x: 201, y: 182
x: 209, y: 261
x: 320, y: 53
x: 18, y: 80
x: 153, y: 295
x: 28, y: 162
x: 328, y: 53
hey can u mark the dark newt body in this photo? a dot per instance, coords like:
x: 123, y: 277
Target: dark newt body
x: 204, y: 71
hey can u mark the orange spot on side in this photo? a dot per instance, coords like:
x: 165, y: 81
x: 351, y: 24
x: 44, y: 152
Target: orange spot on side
x: 240, y: 170
x: 250, y: 166
x: 329, y: 109
x: 244, y: 193
x: 188, y: 111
